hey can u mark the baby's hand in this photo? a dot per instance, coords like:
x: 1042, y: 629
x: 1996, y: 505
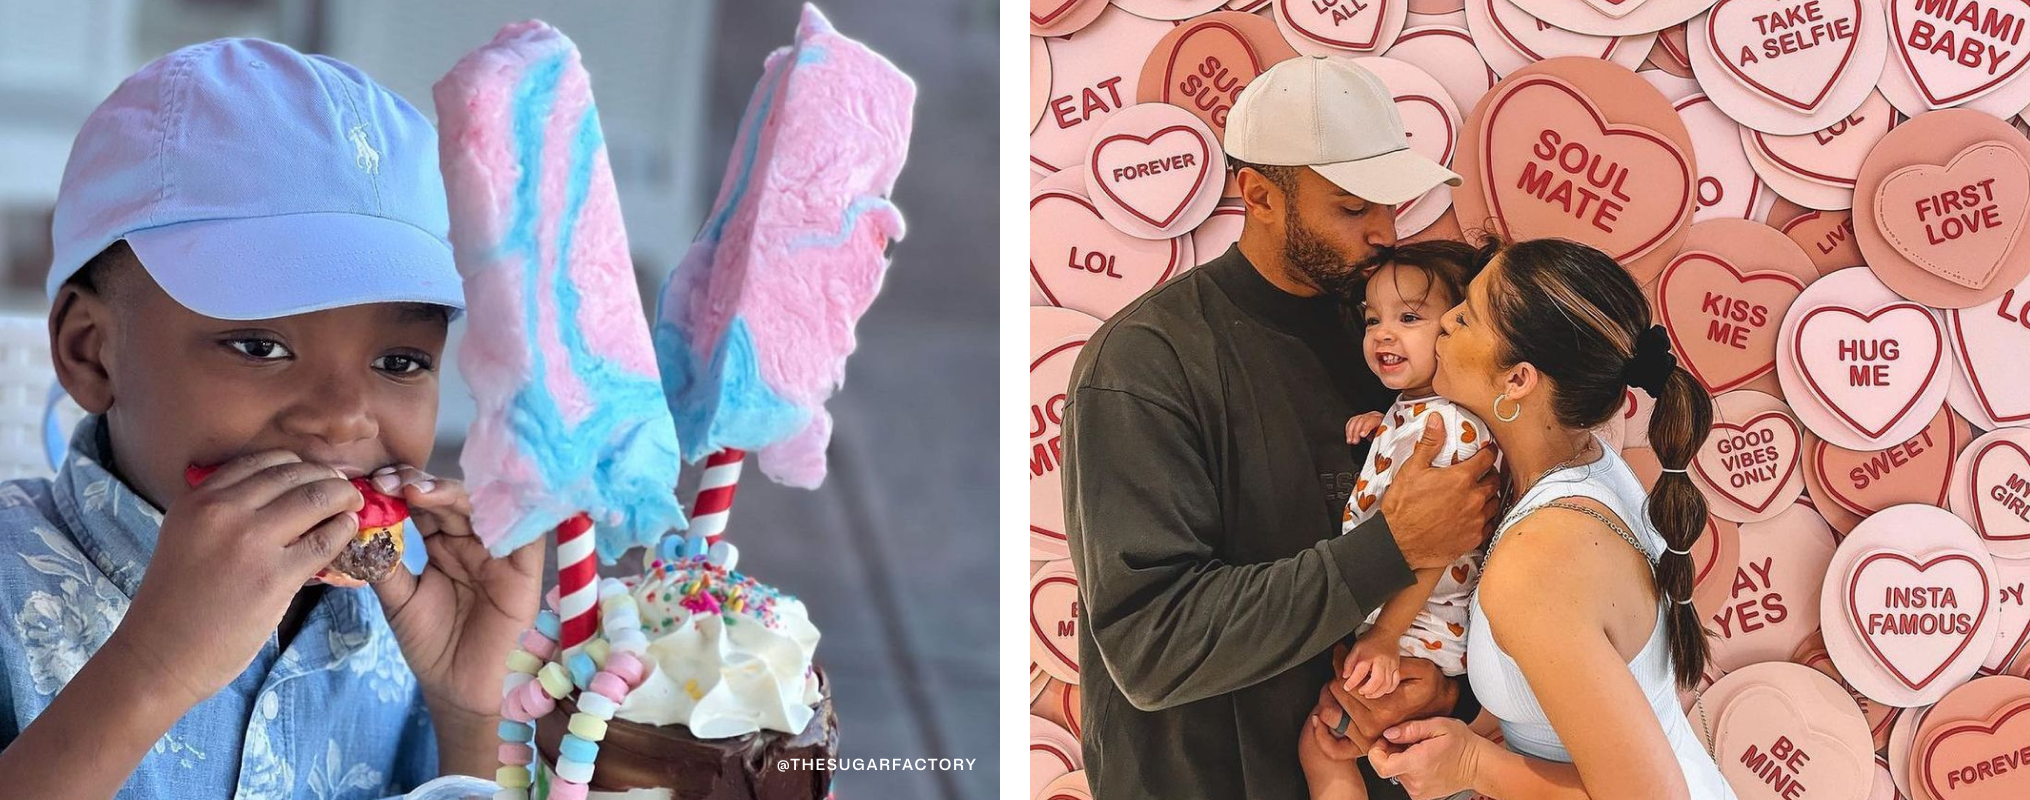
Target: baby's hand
x: 232, y: 554
x: 1362, y: 426
x: 1372, y: 669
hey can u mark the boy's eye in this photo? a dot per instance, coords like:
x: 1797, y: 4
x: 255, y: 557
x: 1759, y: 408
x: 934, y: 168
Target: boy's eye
x: 1411, y: 318
x: 1372, y: 321
x: 400, y: 364
x: 260, y: 349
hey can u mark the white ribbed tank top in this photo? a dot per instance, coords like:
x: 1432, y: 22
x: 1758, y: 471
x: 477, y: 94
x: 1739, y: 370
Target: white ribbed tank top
x: 1499, y: 683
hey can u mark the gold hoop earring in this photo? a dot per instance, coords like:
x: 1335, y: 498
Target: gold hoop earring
x: 1506, y: 417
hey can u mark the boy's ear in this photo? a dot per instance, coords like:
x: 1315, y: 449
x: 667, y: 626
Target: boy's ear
x: 80, y: 344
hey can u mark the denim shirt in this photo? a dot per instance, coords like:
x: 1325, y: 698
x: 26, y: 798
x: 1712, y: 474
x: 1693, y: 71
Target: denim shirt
x: 335, y: 716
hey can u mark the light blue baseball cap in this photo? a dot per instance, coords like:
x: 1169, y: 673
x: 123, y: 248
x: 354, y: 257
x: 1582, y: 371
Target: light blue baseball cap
x: 253, y: 182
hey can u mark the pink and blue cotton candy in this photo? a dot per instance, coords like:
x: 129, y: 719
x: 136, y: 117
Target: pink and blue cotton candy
x: 571, y: 414
x: 754, y: 326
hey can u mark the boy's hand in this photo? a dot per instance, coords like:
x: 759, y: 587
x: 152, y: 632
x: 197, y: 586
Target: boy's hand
x: 457, y: 622
x: 1374, y: 667
x: 233, y: 552
x: 1362, y: 426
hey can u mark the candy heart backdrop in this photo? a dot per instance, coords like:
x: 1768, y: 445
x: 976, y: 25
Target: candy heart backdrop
x: 1826, y: 202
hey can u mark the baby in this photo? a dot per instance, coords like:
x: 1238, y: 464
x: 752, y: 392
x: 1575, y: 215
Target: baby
x: 1400, y: 314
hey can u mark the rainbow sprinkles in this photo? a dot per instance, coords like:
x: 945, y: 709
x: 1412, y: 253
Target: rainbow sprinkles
x: 672, y: 591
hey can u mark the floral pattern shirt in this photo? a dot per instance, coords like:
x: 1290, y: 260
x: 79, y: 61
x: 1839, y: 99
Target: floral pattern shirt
x: 335, y: 716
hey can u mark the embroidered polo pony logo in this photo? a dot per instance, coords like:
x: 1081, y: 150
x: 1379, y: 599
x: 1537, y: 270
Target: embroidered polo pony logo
x: 363, y: 153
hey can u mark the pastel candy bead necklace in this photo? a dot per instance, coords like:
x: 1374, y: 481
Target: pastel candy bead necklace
x: 539, y: 675
x: 597, y: 676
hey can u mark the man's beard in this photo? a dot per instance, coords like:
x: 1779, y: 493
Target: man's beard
x: 1324, y: 266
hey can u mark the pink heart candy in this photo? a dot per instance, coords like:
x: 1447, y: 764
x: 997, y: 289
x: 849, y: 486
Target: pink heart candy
x: 1431, y: 122
x: 1871, y: 368
x: 1723, y: 319
x: 1053, y: 620
x: 1155, y: 171
x: 1784, y: 51
x: 1803, y: 732
x: 1918, y: 616
x: 1354, y: 26
x: 1752, y: 464
x: 2012, y: 613
x: 1960, y: 760
x: 1988, y: 343
x: 1554, y: 166
x: 1932, y: 44
x: 1615, y: 8
x: 1773, y: 599
x: 1831, y: 155
x: 1202, y: 65
x: 1916, y: 470
x: 1082, y: 262
x: 1957, y: 221
x: 1991, y: 490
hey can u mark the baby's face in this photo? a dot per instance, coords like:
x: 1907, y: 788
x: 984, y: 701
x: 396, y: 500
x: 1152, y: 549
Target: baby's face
x: 355, y: 388
x: 1401, y: 319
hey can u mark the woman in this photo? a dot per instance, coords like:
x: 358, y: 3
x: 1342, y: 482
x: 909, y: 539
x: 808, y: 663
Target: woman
x: 1582, y: 630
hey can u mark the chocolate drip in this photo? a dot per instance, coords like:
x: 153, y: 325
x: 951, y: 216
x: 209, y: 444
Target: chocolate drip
x: 637, y: 756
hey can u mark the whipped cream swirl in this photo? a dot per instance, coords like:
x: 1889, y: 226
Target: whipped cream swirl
x: 731, y: 656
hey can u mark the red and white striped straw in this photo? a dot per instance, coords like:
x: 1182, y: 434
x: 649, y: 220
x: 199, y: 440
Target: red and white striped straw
x: 577, y: 581
x: 715, y: 493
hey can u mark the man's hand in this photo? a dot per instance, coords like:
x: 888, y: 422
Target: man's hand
x: 1421, y: 691
x: 1330, y: 770
x: 1349, y: 743
x: 1437, y: 514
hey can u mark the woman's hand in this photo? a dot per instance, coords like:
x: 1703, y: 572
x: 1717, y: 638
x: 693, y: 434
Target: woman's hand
x: 1434, y: 757
x: 458, y: 620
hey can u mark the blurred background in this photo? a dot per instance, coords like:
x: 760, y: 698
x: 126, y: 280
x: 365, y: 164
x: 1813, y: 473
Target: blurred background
x: 895, y: 554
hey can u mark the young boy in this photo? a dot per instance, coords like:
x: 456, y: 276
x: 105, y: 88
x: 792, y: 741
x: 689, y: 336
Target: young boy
x: 252, y: 271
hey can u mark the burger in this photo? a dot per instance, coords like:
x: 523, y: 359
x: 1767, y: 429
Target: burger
x: 371, y: 554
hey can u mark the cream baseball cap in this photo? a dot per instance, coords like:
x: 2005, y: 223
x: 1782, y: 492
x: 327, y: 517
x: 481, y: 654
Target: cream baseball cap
x: 1331, y: 115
